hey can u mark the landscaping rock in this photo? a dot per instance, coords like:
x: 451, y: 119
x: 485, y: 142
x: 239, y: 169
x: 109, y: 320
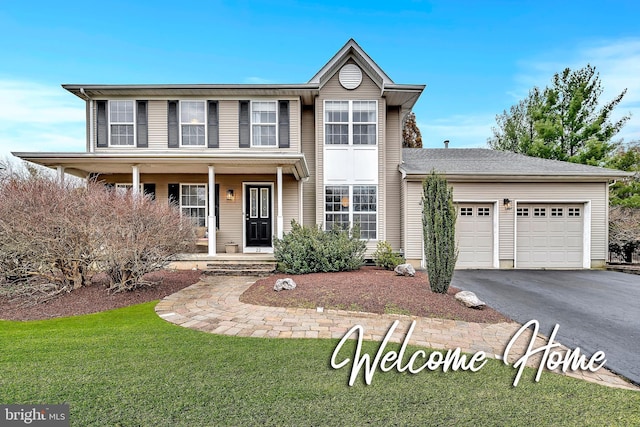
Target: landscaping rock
x: 284, y: 284
x: 470, y: 300
x: 405, y: 270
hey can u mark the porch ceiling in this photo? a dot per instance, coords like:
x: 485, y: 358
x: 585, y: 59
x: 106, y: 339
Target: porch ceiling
x: 81, y: 164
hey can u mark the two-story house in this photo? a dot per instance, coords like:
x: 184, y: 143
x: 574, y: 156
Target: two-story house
x: 244, y: 160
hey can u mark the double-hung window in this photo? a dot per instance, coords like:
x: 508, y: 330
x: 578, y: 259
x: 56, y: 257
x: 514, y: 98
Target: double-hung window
x: 350, y: 122
x: 193, y: 203
x: 264, y: 123
x: 349, y: 205
x: 192, y: 123
x: 121, y: 123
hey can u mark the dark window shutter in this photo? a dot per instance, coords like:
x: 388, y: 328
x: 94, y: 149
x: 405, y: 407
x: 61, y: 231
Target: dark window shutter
x: 174, y: 194
x: 142, y: 132
x: 102, y: 136
x: 244, y: 128
x: 212, y: 123
x: 172, y: 124
x: 149, y: 189
x: 217, y: 205
x: 283, y: 124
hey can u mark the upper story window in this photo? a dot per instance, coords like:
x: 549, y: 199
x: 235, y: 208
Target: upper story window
x: 192, y: 123
x: 121, y: 123
x: 351, y: 122
x: 263, y: 123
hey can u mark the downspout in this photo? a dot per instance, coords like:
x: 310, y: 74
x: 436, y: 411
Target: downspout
x: 91, y: 115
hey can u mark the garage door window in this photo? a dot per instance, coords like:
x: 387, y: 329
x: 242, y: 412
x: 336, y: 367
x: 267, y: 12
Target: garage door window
x: 574, y: 212
x: 539, y: 212
x: 556, y: 212
x: 483, y: 212
x: 523, y: 211
x: 466, y: 211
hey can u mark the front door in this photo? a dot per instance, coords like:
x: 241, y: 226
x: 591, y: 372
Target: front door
x: 258, y: 215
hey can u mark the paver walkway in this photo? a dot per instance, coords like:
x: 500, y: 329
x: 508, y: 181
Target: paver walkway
x: 213, y: 305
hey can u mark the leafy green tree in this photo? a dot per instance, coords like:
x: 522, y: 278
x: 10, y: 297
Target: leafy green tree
x: 411, y: 136
x: 439, y: 230
x: 564, y: 121
x: 626, y: 192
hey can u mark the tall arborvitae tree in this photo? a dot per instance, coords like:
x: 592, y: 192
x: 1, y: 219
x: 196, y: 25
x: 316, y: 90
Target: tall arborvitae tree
x: 565, y: 121
x: 439, y: 230
x: 411, y: 136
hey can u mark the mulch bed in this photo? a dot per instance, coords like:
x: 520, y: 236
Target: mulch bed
x: 370, y: 289
x: 96, y: 298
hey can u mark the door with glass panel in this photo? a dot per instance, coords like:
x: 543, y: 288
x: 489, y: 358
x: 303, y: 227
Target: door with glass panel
x: 258, y: 215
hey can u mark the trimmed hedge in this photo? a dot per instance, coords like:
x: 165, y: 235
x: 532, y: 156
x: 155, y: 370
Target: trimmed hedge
x: 311, y: 250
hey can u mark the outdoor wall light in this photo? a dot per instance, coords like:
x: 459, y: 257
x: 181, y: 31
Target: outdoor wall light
x: 507, y: 204
x: 345, y: 202
x: 230, y: 194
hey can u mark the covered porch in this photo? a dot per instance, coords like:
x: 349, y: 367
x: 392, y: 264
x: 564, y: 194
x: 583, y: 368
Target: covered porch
x: 237, y: 200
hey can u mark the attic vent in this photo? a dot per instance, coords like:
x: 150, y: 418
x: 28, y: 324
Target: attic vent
x: 350, y: 76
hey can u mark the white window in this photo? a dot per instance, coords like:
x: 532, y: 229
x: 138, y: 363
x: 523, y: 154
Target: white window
x: 193, y: 203
x: 574, y: 212
x: 351, y: 122
x: 484, y: 212
x: 263, y: 123
x: 123, y: 188
x: 523, y: 212
x: 121, y: 123
x: 348, y: 205
x: 557, y: 212
x: 192, y: 123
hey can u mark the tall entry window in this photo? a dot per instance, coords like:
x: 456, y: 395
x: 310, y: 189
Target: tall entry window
x: 351, y: 122
x: 348, y: 205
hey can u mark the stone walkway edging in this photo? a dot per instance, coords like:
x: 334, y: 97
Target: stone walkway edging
x: 213, y: 305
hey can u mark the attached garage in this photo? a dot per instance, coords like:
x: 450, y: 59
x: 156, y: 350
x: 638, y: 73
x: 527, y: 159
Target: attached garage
x: 474, y: 235
x: 549, y: 235
x: 513, y: 211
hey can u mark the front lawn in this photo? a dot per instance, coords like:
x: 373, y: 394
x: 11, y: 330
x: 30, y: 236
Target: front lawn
x: 129, y: 367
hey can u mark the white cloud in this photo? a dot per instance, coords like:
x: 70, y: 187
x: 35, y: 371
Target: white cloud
x: 39, y: 117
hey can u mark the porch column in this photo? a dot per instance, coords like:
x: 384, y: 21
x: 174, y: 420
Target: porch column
x: 280, y: 223
x: 135, y: 180
x: 60, y: 170
x: 211, y: 220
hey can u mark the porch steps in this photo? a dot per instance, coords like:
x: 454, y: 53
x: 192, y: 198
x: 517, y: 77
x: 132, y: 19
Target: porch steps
x: 240, y: 268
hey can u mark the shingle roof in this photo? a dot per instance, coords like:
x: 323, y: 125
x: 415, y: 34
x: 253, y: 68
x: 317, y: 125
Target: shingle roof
x: 486, y: 162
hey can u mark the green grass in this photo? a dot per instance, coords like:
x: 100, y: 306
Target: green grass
x: 128, y: 367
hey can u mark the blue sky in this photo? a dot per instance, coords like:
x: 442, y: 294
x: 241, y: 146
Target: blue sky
x: 476, y: 58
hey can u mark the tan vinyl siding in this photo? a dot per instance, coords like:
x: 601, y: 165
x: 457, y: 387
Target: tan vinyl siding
x: 290, y: 203
x: 309, y: 150
x: 228, y: 124
x: 393, y: 150
x: 413, y: 226
x: 596, y: 193
x: 157, y: 125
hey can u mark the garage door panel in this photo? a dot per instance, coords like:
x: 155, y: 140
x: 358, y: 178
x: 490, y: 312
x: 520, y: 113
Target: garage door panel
x: 548, y: 237
x: 474, y: 235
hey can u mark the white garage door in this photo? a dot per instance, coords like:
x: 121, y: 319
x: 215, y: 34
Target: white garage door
x: 474, y: 234
x: 549, y: 235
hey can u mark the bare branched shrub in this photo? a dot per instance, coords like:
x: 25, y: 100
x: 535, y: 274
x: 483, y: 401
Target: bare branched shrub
x: 624, y: 231
x: 63, y: 234
x: 139, y: 236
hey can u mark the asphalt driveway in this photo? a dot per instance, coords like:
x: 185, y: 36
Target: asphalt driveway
x: 595, y: 310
